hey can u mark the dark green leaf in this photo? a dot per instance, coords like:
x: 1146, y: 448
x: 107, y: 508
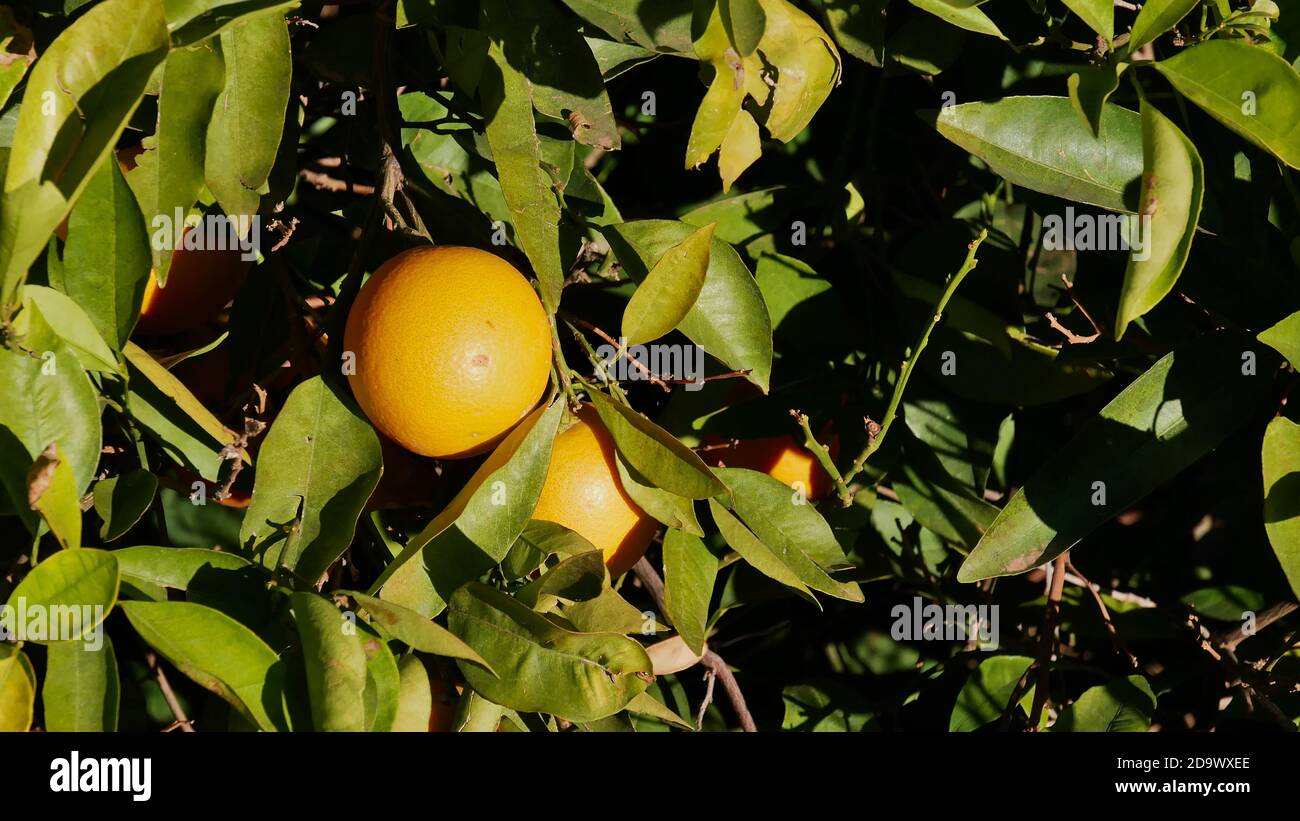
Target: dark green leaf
x: 1165, y: 420
x: 122, y: 500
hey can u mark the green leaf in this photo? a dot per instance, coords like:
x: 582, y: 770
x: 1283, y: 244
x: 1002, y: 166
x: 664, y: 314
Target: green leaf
x: 335, y: 664
x: 122, y: 500
x: 479, y: 526
x: 611, y: 613
x: 1249, y: 89
x: 414, y: 697
x: 81, y: 689
x: 80, y: 584
x: 669, y: 508
x: 540, y: 540
x: 647, y: 705
x: 729, y: 319
x: 940, y: 502
x: 179, y: 423
x: 565, y: 79
x: 858, y: 27
x: 71, y: 324
x: 825, y: 709
x: 169, y: 175
x: 1099, y: 15
x: 193, y: 20
x: 1173, y: 185
x: 507, y: 97
x: 576, y: 578
x: 414, y: 630
x: 52, y: 492
x: 79, y: 96
x: 657, y: 25
x: 1122, y: 705
x: 689, y: 573
x: 545, y: 668
x: 1166, y: 419
x: 383, y: 682
x: 1040, y: 143
x: 744, y: 21
x: 316, y: 468
x: 1281, y: 458
x: 175, y: 567
x: 668, y: 292
x: 1157, y: 17
x: 791, y: 528
x: 107, y: 257
x: 654, y: 452
x: 1284, y: 337
x: 17, y: 690
x: 970, y: 18
x: 985, y: 694
x: 248, y: 116
x: 761, y: 557
x: 217, y: 653
x: 1090, y: 88
x: 46, y: 396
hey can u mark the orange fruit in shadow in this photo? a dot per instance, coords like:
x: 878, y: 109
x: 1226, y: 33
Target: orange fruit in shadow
x: 199, y: 281
x: 199, y: 284
x: 452, y: 350
x: 445, y: 696
x: 781, y: 457
x: 583, y: 493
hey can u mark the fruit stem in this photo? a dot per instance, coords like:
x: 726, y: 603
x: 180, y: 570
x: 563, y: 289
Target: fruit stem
x: 876, y: 434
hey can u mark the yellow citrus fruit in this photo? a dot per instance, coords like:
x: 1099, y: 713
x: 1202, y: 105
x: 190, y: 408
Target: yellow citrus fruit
x: 583, y: 493
x: 452, y: 349
x: 781, y: 457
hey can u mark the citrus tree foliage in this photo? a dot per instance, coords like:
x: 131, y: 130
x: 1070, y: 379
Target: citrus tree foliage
x: 996, y: 308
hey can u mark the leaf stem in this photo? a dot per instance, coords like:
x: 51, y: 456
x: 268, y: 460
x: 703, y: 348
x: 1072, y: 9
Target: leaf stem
x: 876, y: 433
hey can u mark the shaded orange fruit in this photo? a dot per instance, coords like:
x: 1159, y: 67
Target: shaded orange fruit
x: 452, y: 349
x: 781, y: 457
x: 199, y: 284
x: 445, y: 695
x: 583, y: 493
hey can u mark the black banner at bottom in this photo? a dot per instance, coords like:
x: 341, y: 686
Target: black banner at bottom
x: 217, y: 771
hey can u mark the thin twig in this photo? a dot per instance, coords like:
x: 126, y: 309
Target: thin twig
x: 178, y: 712
x: 819, y: 450
x: 1231, y: 638
x: 1047, y: 641
x: 891, y: 413
x: 1120, y: 646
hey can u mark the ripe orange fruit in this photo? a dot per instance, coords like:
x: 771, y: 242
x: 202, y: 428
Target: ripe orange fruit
x: 452, y: 349
x: 583, y: 493
x: 781, y: 457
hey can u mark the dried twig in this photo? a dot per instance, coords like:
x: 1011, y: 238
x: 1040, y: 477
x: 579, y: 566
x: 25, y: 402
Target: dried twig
x: 1047, y: 641
x: 1120, y: 646
x: 178, y: 712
